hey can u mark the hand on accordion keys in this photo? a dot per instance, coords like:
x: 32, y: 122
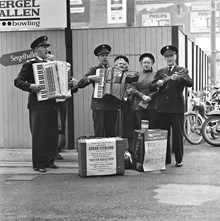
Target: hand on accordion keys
x: 94, y: 78
x: 129, y: 91
x: 35, y: 87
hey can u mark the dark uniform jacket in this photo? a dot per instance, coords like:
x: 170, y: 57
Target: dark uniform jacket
x: 108, y: 103
x: 25, y: 79
x: 170, y: 97
x: 140, y: 88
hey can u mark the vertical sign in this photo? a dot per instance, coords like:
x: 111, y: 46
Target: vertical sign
x: 117, y: 11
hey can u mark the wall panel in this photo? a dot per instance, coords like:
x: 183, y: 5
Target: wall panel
x: 131, y: 41
x: 14, y: 122
x: 181, y: 48
x: 189, y: 52
x: 128, y: 41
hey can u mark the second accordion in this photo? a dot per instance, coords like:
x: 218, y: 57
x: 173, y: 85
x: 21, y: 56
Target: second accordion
x: 53, y: 79
x: 114, y: 83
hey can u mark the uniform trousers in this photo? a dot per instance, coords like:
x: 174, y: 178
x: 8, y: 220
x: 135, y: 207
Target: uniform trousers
x: 104, y: 123
x: 43, y: 125
x: 61, y: 108
x: 166, y: 121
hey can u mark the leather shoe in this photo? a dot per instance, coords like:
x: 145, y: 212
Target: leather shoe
x: 52, y: 166
x: 179, y: 164
x: 41, y: 170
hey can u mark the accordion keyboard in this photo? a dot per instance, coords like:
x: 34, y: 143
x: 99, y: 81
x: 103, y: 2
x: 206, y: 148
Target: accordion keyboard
x: 99, y: 87
x: 43, y: 91
x: 51, y: 76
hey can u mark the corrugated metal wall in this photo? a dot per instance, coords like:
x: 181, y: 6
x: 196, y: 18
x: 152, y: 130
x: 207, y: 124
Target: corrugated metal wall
x: 14, y: 122
x: 131, y: 42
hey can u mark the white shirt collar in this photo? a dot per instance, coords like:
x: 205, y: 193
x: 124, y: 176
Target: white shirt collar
x: 41, y: 59
x: 172, y: 67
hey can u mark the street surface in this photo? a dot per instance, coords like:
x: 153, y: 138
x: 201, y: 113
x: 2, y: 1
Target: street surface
x: 191, y: 192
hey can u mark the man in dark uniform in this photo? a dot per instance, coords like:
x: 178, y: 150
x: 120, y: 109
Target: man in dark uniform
x: 104, y: 111
x: 171, y: 81
x: 42, y: 114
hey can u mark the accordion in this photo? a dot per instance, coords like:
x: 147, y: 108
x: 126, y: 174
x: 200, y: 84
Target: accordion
x: 114, y: 82
x: 53, y: 79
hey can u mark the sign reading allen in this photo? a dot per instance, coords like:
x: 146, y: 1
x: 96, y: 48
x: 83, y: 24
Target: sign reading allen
x: 13, y: 13
x: 32, y: 14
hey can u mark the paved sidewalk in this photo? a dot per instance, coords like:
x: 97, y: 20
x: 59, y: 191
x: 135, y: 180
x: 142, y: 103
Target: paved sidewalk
x: 19, y: 161
x: 189, y: 193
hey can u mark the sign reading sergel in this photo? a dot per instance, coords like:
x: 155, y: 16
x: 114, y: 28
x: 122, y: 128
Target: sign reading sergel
x: 32, y: 14
x: 17, y: 57
x: 101, y: 156
x: 155, y: 155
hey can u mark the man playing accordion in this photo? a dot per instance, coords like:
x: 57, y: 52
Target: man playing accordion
x: 42, y: 114
x: 104, y: 110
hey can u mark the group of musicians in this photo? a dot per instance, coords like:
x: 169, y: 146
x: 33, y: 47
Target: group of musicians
x: 155, y: 96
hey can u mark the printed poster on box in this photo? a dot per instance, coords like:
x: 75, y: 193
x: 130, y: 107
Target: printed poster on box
x: 155, y: 146
x: 101, y: 156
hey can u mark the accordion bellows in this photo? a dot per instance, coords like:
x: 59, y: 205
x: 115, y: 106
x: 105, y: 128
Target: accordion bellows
x: 114, y: 83
x: 53, y: 78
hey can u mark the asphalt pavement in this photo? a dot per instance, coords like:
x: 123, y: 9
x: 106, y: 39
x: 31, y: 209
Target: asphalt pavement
x: 191, y: 192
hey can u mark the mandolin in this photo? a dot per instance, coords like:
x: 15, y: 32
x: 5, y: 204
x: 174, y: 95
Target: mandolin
x: 167, y: 79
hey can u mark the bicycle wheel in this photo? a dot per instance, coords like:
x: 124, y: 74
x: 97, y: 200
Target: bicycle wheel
x: 211, y: 130
x: 192, y: 128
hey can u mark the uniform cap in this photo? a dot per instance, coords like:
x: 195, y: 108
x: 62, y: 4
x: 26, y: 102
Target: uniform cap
x: 168, y: 50
x: 149, y: 55
x: 123, y: 57
x: 41, y: 41
x: 104, y: 48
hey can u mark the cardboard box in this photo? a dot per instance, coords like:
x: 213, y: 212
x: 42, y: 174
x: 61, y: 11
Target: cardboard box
x: 101, y: 156
x: 149, y: 150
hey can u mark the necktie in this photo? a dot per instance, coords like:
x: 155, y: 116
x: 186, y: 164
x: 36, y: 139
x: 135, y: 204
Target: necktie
x: 169, y: 70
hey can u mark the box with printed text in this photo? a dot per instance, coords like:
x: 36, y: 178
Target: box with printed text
x: 149, y: 150
x: 101, y: 156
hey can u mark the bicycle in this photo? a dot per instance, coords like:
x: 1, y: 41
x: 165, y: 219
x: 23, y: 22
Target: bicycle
x: 211, y: 126
x: 194, y: 119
